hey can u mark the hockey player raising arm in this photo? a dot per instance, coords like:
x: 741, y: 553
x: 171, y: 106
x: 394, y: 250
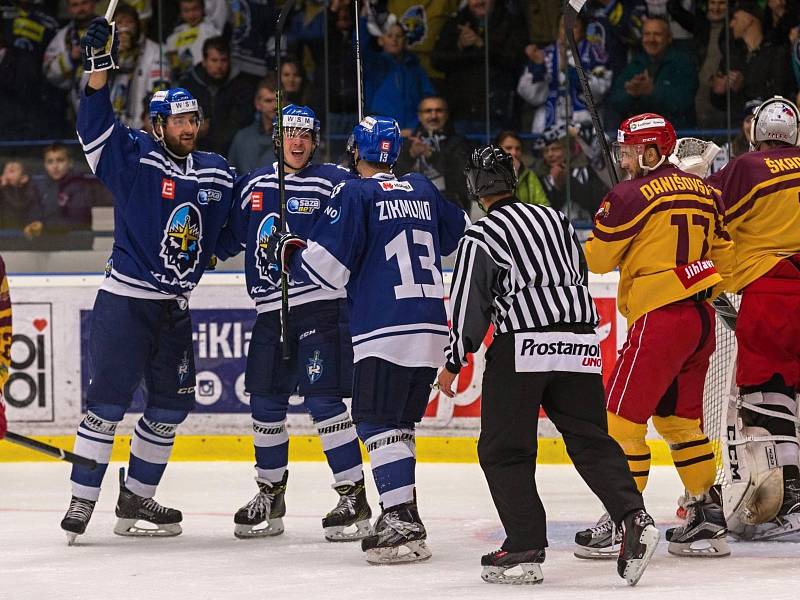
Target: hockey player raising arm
x: 762, y: 214
x: 382, y: 238
x: 321, y: 359
x: 662, y: 230
x: 170, y: 204
x: 521, y: 269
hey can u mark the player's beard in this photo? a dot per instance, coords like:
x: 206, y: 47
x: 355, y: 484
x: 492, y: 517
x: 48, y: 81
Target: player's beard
x: 181, y: 145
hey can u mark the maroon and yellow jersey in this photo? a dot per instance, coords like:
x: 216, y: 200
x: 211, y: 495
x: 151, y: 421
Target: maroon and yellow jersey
x: 5, y: 327
x: 761, y: 200
x: 664, y: 232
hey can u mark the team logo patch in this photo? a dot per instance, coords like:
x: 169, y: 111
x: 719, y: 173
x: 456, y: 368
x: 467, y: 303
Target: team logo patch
x: 180, y: 246
x: 415, y: 24
x: 183, y: 368
x: 168, y: 189
x: 386, y: 145
x: 206, y: 196
x: 388, y: 186
x: 256, y: 201
x: 603, y: 211
x: 266, y: 270
x: 302, y: 206
x: 314, y: 367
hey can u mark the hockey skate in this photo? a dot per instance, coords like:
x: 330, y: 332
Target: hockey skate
x: 703, y: 533
x: 352, y: 510
x: 77, y: 518
x: 132, y: 508
x: 601, y: 541
x: 639, y: 540
x: 399, y: 537
x: 267, y: 507
x: 785, y: 527
x: 497, y: 564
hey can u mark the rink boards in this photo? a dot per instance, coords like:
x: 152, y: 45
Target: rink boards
x: 49, y: 376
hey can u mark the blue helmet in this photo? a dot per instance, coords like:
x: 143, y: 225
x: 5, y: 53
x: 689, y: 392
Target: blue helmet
x: 377, y: 139
x: 297, y: 117
x: 174, y: 101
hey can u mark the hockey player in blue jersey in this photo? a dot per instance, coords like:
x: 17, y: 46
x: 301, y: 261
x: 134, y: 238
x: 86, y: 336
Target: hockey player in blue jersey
x: 170, y: 204
x: 381, y: 238
x: 321, y: 359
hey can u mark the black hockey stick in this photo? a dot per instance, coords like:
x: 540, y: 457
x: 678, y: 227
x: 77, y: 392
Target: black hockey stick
x: 359, y: 67
x: 288, y: 6
x: 54, y: 451
x: 571, y: 10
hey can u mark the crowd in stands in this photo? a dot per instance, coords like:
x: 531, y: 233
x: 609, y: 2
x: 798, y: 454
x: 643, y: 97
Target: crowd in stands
x: 424, y: 64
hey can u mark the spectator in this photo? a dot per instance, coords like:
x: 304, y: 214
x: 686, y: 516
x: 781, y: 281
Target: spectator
x: 26, y: 27
x: 20, y: 95
x: 436, y: 151
x: 216, y: 12
x: 144, y: 8
x: 661, y: 79
x: 741, y: 143
x: 185, y: 43
x: 707, y: 24
x: 616, y: 26
x: 67, y: 197
x: 550, y: 82
x: 529, y: 189
x: 252, y: 146
x: 542, y: 17
x: 63, y: 59
x: 293, y: 82
x: 252, y: 26
x: 394, y: 80
x: 20, y: 203
x: 460, y: 55
x: 223, y: 94
x: 586, y: 190
x: 780, y: 16
x: 757, y: 66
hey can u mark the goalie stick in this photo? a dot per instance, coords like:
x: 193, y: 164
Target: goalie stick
x: 54, y: 451
x: 571, y: 10
x: 288, y: 6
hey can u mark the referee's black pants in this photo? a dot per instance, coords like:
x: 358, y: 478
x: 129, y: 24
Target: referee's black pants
x: 507, y: 447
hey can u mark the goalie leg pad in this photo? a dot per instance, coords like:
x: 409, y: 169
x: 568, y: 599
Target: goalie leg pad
x: 756, y: 453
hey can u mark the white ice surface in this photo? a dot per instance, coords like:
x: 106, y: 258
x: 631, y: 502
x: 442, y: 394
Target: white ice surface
x: 206, y: 561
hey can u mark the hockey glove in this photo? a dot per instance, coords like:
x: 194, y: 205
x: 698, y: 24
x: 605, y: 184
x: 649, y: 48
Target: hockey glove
x: 280, y: 248
x: 100, y: 46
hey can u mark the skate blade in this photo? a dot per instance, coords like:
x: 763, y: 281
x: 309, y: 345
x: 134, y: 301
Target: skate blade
x: 130, y: 528
x: 272, y: 528
x: 597, y: 553
x: 527, y: 574
x: 714, y: 548
x: 634, y: 568
x: 71, y: 537
x: 415, y: 551
x: 342, y: 533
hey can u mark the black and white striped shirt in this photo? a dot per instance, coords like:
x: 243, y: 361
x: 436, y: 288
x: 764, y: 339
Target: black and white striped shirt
x: 521, y: 268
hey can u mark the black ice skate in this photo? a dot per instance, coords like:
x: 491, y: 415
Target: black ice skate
x: 132, y: 508
x: 77, y: 518
x: 639, y: 541
x: 267, y: 508
x: 352, y: 510
x: 524, y: 567
x: 601, y: 541
x: 703, y: 533
x: 399, y: 537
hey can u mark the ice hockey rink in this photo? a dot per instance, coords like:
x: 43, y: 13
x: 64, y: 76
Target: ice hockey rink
x: 206, y: 561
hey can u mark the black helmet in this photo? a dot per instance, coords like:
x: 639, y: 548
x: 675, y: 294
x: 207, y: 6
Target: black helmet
x: 490, y: 170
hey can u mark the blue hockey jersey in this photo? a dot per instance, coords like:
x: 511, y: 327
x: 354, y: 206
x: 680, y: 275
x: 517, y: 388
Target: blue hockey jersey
x: 166, y: 218
x: 255, y: 214
x: 383, y: 238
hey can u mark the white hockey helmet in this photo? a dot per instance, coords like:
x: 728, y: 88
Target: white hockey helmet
x: 776, y: 120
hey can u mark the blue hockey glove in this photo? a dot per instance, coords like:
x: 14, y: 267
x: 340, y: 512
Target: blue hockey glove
x: 280, y: 247
x: 100, y: 46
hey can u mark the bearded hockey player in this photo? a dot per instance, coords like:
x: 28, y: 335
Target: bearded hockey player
x: 762, y: 215
x: 170, y: 204
x: 382, y: 239
x: 321, y: 364
x: 662, y: 229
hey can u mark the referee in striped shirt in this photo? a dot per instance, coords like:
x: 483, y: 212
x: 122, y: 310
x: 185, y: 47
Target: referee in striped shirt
x: 522, y: 269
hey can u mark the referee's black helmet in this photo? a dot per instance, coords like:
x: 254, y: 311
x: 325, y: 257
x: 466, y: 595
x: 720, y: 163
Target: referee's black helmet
x: 489, y: 171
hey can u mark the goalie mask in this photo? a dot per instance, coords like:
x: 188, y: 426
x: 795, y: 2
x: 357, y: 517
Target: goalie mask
x: 639, y: 132
x: 490, y: 171
x: 776, y: 120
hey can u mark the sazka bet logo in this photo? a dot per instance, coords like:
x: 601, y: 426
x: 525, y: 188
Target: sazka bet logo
x: 314, y: 367
x: 266, y: 270
x: 180, y: 246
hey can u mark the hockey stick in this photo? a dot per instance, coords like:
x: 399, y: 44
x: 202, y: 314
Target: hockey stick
x: 359, y: 67
x: 97, y: 53
x: 54, y: 451
x: 288, y: 6
x: 571, y: 10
